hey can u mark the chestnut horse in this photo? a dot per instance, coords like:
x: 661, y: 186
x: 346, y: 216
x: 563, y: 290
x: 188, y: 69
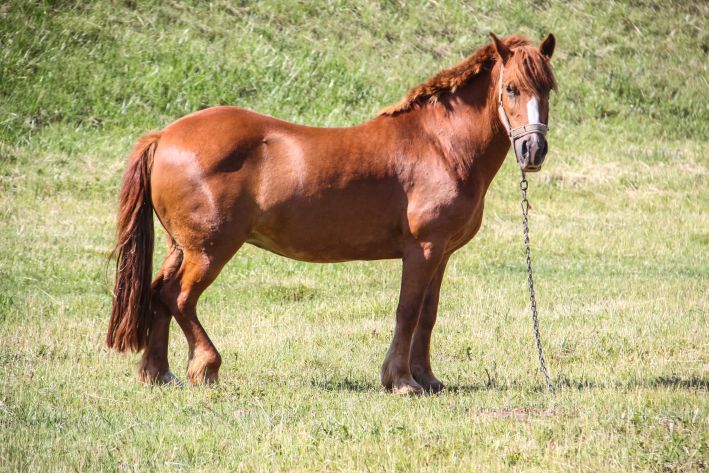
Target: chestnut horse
x: 408, y: 184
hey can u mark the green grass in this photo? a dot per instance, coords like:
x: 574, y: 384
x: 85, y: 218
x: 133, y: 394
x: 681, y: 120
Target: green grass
x: 620, y: 235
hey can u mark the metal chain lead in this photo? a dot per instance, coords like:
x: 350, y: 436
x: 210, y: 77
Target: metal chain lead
x: 523, y: 185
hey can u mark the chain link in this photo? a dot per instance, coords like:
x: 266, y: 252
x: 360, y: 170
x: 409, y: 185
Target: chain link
x: 524, y: 185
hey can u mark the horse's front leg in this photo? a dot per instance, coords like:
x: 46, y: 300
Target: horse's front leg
x: 419, y: 265
x: 420, y: 357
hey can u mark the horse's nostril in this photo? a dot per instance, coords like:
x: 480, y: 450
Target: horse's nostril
x: 540, y: 152
x: 525, y: 148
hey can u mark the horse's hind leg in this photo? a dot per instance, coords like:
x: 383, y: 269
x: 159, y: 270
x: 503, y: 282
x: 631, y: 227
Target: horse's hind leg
x: 154, y: 366
x: 181, y: 293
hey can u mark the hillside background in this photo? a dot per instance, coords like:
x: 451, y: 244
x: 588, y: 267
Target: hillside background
x: 620, y: 235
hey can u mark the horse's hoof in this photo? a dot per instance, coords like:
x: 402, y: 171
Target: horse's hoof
x: 428, y: 382
x: 170, y: 379
x: 205, y: 374
x: 149, y: 377
x: 204, y: 368
x: 434, y: 388
x: 203, y: 379
x: 407, y: 388
x: 399, y: 383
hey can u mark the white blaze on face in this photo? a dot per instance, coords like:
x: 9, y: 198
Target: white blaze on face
x: 533, y: 110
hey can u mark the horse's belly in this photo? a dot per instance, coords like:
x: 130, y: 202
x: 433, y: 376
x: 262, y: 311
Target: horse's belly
x: 324, y: 251
x: 331, y: 227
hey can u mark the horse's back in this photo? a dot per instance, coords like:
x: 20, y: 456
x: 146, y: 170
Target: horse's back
x: 218, y: 136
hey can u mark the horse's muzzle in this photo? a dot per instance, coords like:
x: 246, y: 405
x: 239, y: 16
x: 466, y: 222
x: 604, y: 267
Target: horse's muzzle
x: 531, y: 150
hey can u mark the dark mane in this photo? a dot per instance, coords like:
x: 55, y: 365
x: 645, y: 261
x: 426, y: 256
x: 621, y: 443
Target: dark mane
x: 527, y: 68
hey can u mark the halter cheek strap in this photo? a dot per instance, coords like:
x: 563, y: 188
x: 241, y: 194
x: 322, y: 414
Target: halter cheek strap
x: 515, y: 133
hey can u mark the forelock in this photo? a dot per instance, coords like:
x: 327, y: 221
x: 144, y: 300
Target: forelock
x: 530, y: 70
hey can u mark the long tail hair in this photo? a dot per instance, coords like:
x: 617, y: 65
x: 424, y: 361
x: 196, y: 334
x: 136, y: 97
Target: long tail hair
x: 131, y: 313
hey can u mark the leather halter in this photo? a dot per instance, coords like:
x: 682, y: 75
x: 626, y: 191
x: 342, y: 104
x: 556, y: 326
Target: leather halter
x: 520, y: 131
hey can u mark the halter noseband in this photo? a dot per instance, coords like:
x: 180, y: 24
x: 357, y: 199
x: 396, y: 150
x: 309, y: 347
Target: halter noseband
x: 520, y: 131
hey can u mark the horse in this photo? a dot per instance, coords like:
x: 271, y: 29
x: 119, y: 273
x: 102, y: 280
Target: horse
x: 409, y: 184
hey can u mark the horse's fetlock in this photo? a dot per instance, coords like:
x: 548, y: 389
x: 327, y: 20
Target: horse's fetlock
x: 214, y: 360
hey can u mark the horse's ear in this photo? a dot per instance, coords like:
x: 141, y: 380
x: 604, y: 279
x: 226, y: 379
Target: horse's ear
x: 500, y: 48
x: 547, y: 46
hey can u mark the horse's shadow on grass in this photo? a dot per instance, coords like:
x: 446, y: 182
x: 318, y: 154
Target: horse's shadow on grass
x: 693, y: 382
x: 372, y: 387
x: 677, y: 382
x: 345, y: 384
x: 361, y: 386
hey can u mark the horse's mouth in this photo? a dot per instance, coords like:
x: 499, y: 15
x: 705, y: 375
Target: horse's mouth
x: 530, y: 151
x: 532, y: 168
x: 526, y: 164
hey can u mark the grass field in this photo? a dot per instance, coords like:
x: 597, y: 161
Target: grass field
x: 619, y: 228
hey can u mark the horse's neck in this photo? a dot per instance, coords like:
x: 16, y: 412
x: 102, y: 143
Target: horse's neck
x: 468, y: 131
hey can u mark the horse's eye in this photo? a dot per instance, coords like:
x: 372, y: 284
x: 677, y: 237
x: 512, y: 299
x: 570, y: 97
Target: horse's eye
x: 512, y: 90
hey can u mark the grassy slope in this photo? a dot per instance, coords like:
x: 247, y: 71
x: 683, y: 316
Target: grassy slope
x: 619, y: 230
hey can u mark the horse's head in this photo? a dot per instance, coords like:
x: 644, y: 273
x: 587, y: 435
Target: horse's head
x: 525, y: 81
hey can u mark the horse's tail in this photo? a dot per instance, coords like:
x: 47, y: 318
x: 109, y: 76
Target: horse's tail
x: 131, y: 313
